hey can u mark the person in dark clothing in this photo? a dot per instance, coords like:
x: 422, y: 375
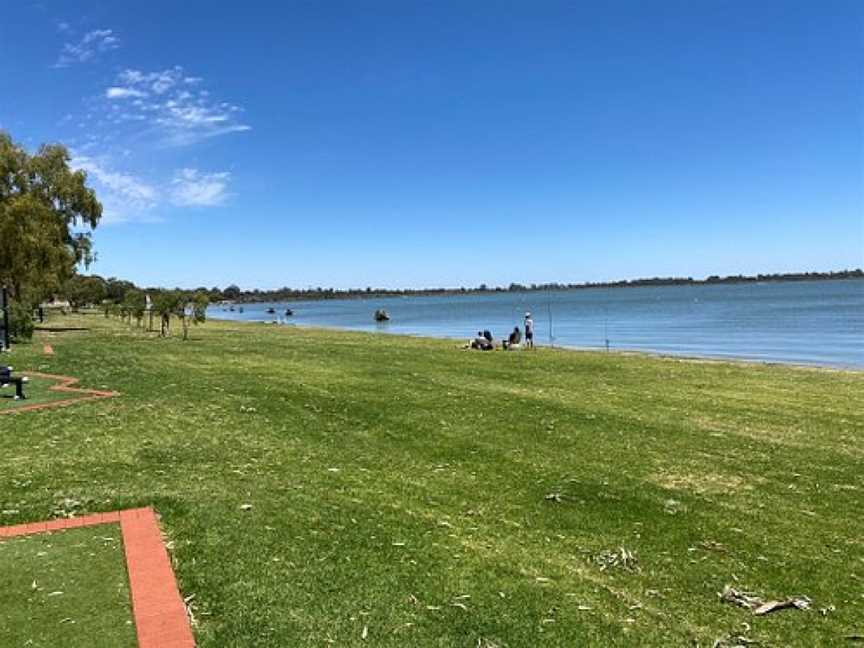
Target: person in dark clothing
x: 514, y: 339
x: 7, y: 379
x: 482, y: 342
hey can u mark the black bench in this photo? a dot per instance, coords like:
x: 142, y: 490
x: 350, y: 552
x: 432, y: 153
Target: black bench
x: 6, y: 378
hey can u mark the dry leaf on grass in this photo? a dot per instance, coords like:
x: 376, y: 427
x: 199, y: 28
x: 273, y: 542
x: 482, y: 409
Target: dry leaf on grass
x: 733, y: 641
x: 623, y: 558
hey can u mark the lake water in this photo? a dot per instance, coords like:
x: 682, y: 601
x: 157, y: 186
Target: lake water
x: 819, y: 322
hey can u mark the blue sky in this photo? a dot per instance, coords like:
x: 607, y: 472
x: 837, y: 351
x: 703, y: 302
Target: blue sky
x: 450, y: 143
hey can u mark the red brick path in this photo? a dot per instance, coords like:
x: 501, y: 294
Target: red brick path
x: 160, y: 615
x: 65, y: 385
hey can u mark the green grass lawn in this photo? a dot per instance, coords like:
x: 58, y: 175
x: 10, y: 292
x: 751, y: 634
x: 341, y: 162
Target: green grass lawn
x: 65, y: 589
x: 36, y: 391
x: 406, y: 493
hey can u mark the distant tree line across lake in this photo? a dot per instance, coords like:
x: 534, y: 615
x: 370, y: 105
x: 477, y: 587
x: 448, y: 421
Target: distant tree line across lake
x: 92, y: 290
x: 235, y: 294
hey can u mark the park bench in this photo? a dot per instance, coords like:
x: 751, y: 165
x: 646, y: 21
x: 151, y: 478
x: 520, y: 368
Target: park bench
x: 6, y: 378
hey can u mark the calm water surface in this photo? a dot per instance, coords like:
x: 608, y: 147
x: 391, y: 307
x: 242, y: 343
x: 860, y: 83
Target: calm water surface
x: 820, y: 322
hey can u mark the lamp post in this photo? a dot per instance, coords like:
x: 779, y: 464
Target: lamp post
x: 4, y: 319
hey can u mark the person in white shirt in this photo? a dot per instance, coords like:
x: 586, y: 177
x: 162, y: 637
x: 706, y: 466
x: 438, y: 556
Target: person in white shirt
x: 529, y: 331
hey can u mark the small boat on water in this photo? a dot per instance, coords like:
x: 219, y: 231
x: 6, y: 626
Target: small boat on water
x: 288, y: 312
x: 382, y: 315
x: 271, y: 311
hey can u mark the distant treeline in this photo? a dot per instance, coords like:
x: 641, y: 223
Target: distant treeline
x: 234, y: 293
x: 92, y: 289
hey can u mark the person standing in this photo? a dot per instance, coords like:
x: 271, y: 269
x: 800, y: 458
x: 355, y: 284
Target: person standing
x: 529, y: 331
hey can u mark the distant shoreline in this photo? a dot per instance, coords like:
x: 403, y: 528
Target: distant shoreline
x: 287, y: 294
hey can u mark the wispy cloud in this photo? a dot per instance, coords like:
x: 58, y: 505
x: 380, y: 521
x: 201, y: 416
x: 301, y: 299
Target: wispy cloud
x: 192, y: 188
x: 87, y: 48
x: 127, y: 198
x: 123, y: 196
x: 139, y: 110
x: 173, y: 103
x: 123, y: 93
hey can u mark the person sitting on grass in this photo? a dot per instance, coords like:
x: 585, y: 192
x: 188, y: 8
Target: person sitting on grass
x: 481, y: 342
x: 7, y: 379
x: 514, y: 340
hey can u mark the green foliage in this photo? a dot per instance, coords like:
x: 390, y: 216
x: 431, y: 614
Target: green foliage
x: 84, y: 291
x: 166, y: 303
x: 196, y: 307
x: 134, y: 303
x: 193, y: 310
x: 189, y: 307
x: 46, y: 215
x: 123, y: 299
x: 21, y: 324
x: 163, y: 306
x: 115, y: 289
x: 231, y: 292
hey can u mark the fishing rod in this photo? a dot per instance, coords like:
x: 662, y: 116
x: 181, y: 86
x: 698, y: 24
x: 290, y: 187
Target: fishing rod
x: 549, y: 310
x: 606, y: 326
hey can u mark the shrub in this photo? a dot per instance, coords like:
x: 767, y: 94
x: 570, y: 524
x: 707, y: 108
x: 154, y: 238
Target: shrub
x: 20, y: 321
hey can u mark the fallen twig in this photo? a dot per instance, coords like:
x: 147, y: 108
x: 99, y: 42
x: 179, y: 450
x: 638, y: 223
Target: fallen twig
x: 759, y: 606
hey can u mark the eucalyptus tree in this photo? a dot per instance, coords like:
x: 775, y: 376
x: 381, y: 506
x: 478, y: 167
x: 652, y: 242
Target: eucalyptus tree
x: 81, y: 291
x: 232, y: 292
x: 165, y: 304
x: 116, y: 288
x: 135, y: 303
x: 193, y: 310
x: 47, y: 214
x: 187, y: 306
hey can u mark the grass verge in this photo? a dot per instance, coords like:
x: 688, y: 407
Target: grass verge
x: 357, y: 489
